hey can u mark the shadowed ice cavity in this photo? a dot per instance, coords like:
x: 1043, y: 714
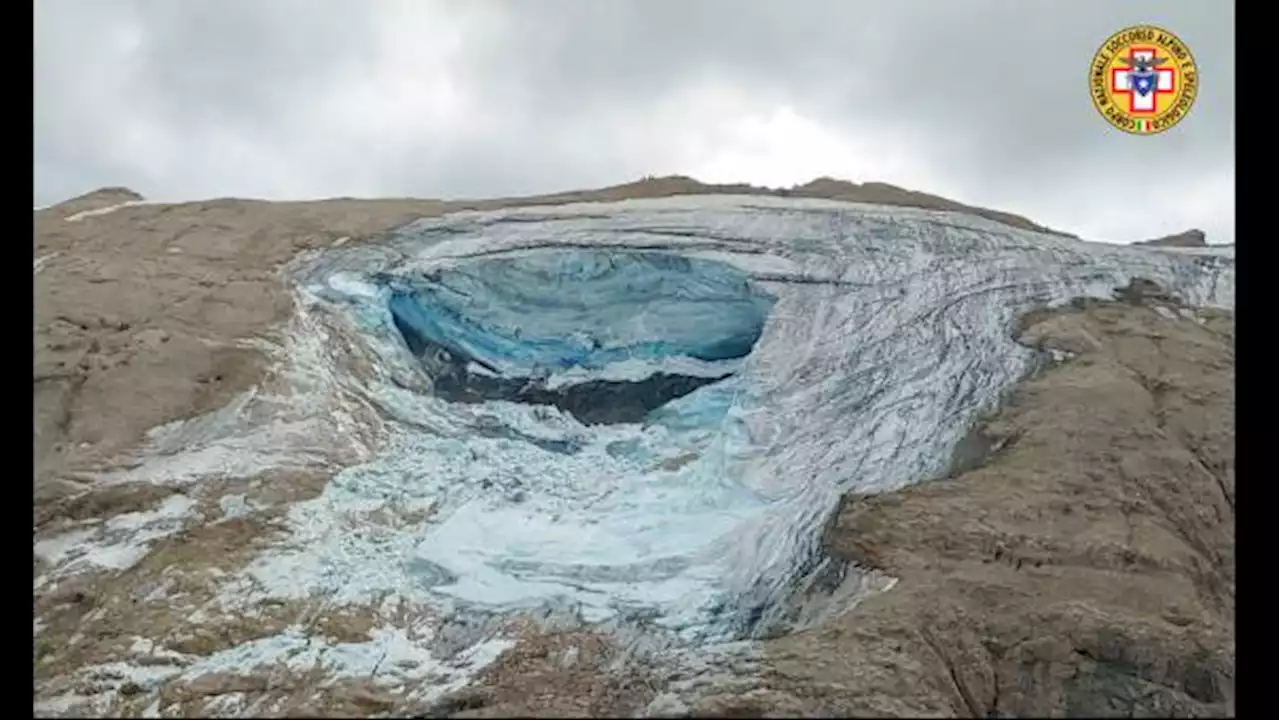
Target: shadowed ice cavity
x: 794, y: 350
x: 548, y: 328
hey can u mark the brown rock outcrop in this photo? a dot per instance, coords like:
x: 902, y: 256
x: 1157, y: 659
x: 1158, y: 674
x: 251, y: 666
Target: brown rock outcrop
x: 1189, y: 238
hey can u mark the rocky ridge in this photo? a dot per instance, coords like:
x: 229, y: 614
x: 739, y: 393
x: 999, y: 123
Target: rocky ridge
x: 1188, y: 239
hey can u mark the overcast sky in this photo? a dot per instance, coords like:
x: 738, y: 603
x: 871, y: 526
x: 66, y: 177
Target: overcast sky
x: 983, y: 101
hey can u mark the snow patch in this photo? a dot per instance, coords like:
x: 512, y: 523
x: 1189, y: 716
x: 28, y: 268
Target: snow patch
x: 117, y: 544
x: 77, y: 217
x: 234, y: 506
x: 389, y: 658
x: 38, y: 264
x: 104, y: 683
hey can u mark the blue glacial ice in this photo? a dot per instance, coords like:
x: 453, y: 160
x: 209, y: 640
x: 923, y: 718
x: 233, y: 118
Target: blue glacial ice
x: 798, y: 350
x: 552, y: 310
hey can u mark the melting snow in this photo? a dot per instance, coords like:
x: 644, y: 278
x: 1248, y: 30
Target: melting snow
x: 117, y: 544
x: 234, y: 506
x: 77, y: 217
x: 38, y: 264
x: 390, y: 658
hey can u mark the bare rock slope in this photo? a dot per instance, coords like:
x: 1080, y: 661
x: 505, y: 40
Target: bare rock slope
x: 1084, y: 565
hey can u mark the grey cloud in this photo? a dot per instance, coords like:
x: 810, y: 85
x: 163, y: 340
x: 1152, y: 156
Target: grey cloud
x: 246, y: 63
x: 992, y: 91
x: 986, y: 97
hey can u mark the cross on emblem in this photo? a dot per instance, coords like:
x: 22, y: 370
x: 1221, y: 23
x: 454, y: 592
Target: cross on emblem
x: 1142, y: 80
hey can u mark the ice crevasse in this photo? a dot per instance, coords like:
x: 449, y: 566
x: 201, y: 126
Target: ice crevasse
x: 648, y: 409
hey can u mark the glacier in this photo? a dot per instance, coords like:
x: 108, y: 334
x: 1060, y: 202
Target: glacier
x: 647, y: 409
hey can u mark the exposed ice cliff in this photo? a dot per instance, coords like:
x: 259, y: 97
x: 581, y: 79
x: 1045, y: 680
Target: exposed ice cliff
x: 648, y: 408
x: 604, y: 336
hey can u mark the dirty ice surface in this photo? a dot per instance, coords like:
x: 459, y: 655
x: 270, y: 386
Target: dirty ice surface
x: 770, y: 354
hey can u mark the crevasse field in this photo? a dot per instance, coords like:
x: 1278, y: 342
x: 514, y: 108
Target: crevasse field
x: 642, y: 410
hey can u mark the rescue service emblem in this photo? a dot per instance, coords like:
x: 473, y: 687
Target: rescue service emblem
x: 1143, y: 80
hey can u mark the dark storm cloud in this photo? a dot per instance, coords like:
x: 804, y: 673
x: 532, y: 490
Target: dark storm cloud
x: 982, y: 100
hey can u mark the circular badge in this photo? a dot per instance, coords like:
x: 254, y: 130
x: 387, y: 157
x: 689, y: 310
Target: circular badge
x: 1143, y: 80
